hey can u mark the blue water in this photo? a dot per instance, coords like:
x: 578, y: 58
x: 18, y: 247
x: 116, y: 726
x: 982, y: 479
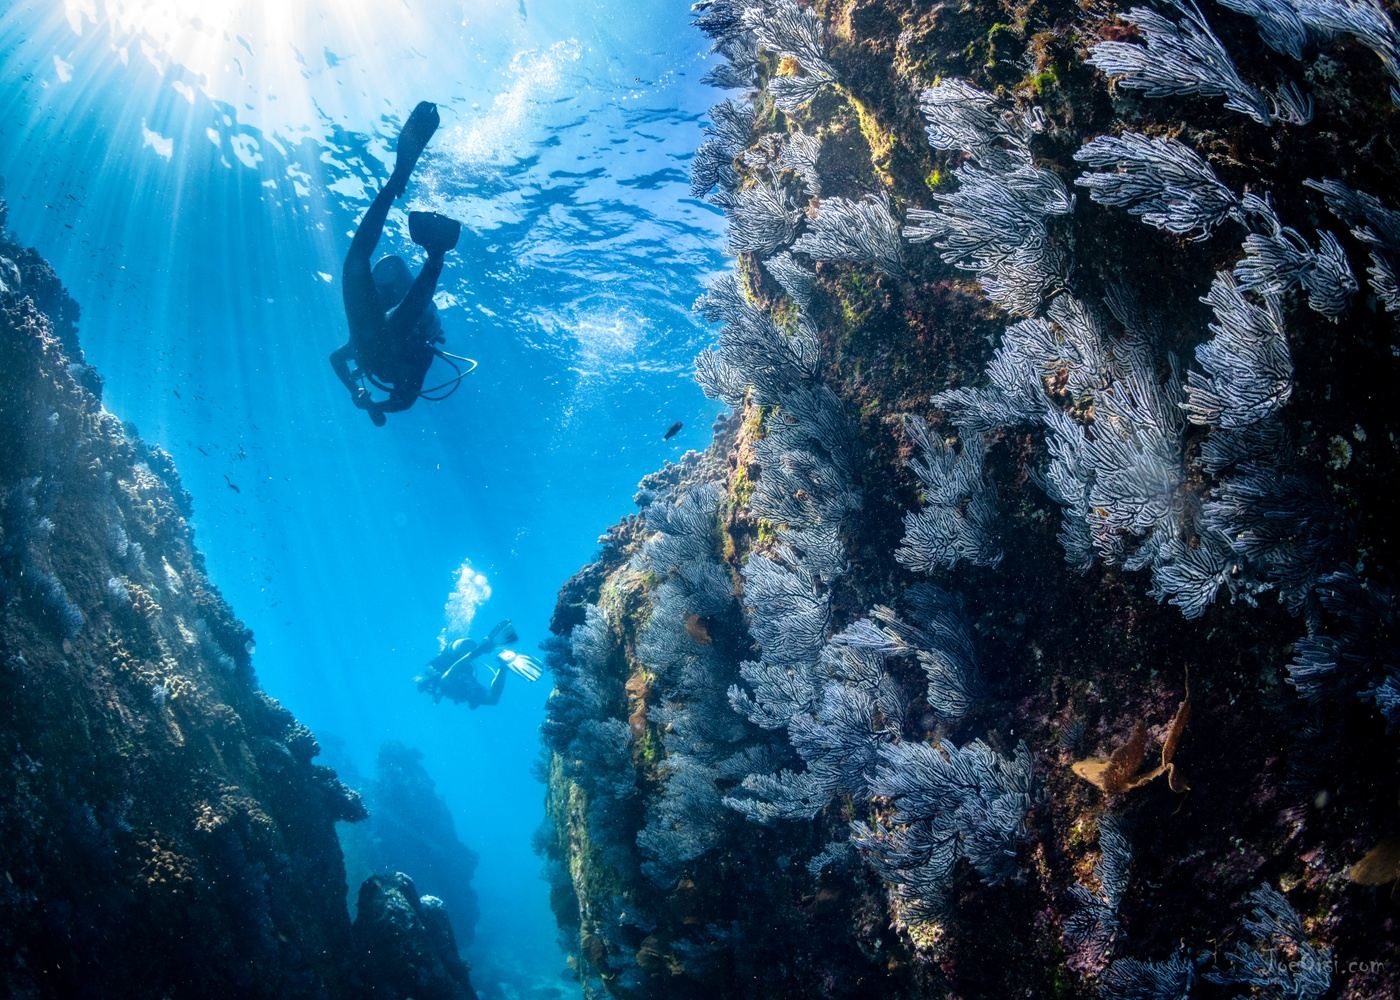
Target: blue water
x: 194, y: 181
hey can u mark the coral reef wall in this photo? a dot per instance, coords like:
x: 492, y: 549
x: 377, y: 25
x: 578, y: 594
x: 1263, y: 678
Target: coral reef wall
x: 1027, y: 629
x: 163, y: 828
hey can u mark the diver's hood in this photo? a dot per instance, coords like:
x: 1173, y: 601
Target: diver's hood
x: 392, y: 280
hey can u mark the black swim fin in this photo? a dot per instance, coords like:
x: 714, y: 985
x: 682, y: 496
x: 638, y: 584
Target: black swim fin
x: 413, y: 138
x: 504, y: 633
x: 434, y: 233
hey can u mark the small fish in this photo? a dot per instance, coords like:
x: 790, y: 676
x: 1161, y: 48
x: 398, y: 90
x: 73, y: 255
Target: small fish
x: 231, y: 484
x: 672, y: 431
x: 201, y: 451
x: 695, y: 628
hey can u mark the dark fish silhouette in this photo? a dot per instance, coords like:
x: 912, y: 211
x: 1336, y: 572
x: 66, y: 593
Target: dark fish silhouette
x: 696, y: 628
x: 672, y: 431
x: 231, y: 484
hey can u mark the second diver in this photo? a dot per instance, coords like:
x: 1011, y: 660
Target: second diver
x: 452, y: 673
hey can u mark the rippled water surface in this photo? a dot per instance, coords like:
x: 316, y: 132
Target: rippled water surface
x: 194, y: 179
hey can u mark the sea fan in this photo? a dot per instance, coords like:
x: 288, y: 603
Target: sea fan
x: 1279, y: 258
x: 783, y: 27
x: 1282, y: 525
x: 713, y: 164
x: 1364, y: 20
x: 934, y: 632
x: 950, y: 804
x: 1350, y: 649
x: 722, y: 20
x: 1247, y: 369
x: 1161, y: 180
x: 753, y: 351
x: 1094, y: 925
x: 686, y: 821
x: 1190, y: 576
x: 789, y: 618
x: 863, y: 232
x: 1374, y: 224
x: 762, y: 218
x: 1279, y: 23
x: 1179, y: 58
x: 959, y: 509
x: 799, y: 154
x: 959, y: 116
x: 1134, y: 979
x: 737, y: 68
x: 798, y: 281
x: 1275, y: 930
x: 994, y: 224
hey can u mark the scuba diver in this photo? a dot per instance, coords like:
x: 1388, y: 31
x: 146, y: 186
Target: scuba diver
x: 394, y: 325
x: 453, y: 671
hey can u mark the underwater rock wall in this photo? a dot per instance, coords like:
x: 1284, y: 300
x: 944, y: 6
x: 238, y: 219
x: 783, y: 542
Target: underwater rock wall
x: 1027, y: 629
x: 163, y: 828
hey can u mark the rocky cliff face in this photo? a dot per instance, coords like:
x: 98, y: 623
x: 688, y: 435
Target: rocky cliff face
x: 163, y: 828
x: 1027, y: 629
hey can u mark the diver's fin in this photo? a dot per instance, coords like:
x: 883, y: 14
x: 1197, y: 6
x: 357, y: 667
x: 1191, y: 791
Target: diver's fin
x: 503, y: 634
x: 526, y: 666
x: 434, y: 233
x: 413, y: 138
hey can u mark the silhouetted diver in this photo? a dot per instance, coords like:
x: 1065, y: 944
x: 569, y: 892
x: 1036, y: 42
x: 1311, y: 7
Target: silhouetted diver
x: 452, y: 673
x: 393, y: 322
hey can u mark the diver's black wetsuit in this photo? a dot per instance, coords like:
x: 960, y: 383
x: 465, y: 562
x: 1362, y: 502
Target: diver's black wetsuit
x: 392, y: 343
x: 451, y: 673
x: 387, y: 346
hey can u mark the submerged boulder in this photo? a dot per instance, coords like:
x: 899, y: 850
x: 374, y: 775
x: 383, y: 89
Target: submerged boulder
x: 406, y: 945
x: 410, y: 828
